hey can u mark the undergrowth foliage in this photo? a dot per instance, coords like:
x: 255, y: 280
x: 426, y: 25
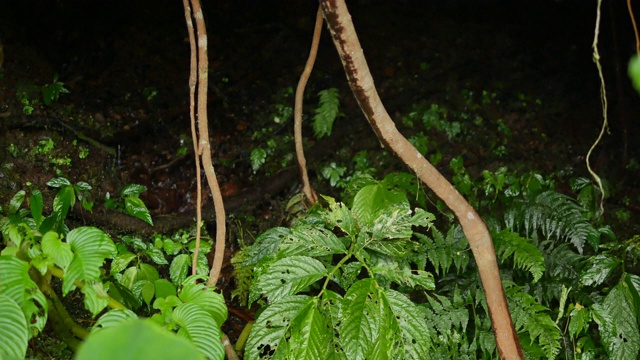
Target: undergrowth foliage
x: 374, y: 278
x: 38, y: 249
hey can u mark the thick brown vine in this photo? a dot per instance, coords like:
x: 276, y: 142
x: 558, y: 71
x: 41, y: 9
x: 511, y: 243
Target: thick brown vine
x: 361, y: 82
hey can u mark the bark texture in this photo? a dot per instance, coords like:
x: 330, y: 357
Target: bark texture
x: 361, y: 82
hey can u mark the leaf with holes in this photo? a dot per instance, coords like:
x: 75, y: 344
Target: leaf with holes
x: 288, y: 276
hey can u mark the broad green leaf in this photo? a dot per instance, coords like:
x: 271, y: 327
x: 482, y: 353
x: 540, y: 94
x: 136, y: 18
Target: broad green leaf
x: 36, y: 204
x: 164, y: 288
x: 157, y: 256
x: 14, y: 331
x: 58, y: 182
x: 618, y: 324
x: 147, y: 272
x: 273, y: 326
x: 371, y: 200
x: 179, y: 268
x: 95, y: 297
x: 195, y: 291
x: 133, y: 190
x: 137, y: 339
x: 288, y: 276
x: 113, y: 317
x: 311, y: 335
x: 136, y: 208
x: 16, y: 284
x: 81, y: 185
x: 360, y: 318
x: 196, y: 324
x: 340, y: 216
x: 580, y: 318
x: 64, y: 200
x: 90, y: 246
x: 415, y: 337
x: 145, y: 290
x: 266, y: 244
x: 58, y: 251
x: 16, y: 202
x: 311, y: 241
x: 598, y: 269
x: 120, y: 262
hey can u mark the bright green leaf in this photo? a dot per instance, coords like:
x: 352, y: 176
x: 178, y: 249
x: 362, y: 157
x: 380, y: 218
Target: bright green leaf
x: 288, y: 276
x: 90, y: 247
x: 136, y: 208
x: 14, y: 331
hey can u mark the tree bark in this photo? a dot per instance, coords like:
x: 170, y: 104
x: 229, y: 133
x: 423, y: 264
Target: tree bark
x: 361, y: 82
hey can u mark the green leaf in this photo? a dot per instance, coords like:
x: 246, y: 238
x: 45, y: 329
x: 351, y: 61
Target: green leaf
x: 14, y: 331
x: 179, y: 268
x: 133, y: 190
x: 340, y: 216
x: 195, y: 291
x: 16, y: 284
x: 311, y: 241
x: 157, y: 256
x: 113, y: 317
x: 58, y: 182
x: 258, y: 157
x: 58, y: 251
x: 288, y: 276
x: 415, y: 335
x: 598, y: 269
x: 120, y: 262
x: 90, y: 246
x: 359, y: 329
x: 137, y: 339
x: 136, y: 208
x: 64, y: 200
x: 311, y: 335
x: 526, y: 255
x: 373, y: 199
x: 580, y: 320
x: 16, y: 202
x: 164, y: 288
x: 618, y: 324
x: 36, y: 204
x: 96, y: 297
x: 326, y: 112
x: 273, y: 326
x: 196, y: 324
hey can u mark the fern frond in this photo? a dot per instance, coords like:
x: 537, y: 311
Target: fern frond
x: 326, y: 112
x: 534, y: 319
x: 556, y: 216
x: 526, y: 255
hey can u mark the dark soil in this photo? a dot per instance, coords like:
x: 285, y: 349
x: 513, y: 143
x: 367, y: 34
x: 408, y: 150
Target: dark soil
x: 126, y: 65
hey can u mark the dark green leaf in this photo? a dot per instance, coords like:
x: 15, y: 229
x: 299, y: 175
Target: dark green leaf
x: 16, y: 202
x: 36, y: 204
x: 136, y: 208
x: 133, y: 190
x: 598, y: 269
x: 58, y: 182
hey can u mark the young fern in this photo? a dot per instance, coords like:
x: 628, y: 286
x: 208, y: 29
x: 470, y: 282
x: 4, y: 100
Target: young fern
x: 556, y: 216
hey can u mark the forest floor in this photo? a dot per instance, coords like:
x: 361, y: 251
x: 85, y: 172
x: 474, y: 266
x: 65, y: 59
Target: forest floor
x: 517, y: 77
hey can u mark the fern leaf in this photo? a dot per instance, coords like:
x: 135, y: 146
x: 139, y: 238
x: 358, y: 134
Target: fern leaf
x: 556, y: 216
x: 533, y: 318
x: 326, y: 112
x: 526, y: 256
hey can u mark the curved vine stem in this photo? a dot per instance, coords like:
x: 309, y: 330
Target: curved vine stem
x: 361, y: 82
x: 603, y: 100
x: 297, y: 114
x: 203, y: 147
